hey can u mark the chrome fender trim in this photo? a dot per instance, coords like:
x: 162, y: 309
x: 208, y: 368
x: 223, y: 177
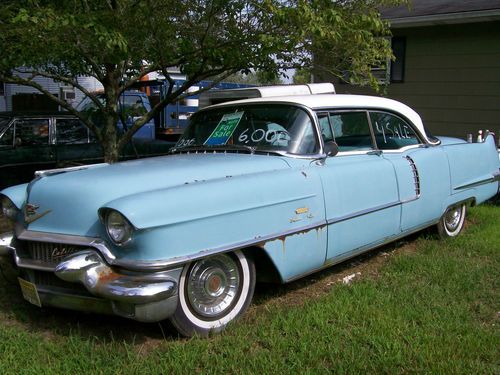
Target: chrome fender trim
x: 89, y: 269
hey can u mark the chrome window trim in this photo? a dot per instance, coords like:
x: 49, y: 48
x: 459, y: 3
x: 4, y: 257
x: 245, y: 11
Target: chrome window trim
x: 312, y: 115
x: 402, y: 149
x: 386, y: 110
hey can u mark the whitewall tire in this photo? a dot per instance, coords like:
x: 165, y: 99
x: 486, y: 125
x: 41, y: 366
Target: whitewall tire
x: 213, y: 292
x: 452, y: 222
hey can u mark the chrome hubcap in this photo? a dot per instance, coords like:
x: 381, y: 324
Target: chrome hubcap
x: 213, y: 285
x: 452, y: 218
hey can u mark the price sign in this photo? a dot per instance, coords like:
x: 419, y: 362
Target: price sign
x: 224, y: 129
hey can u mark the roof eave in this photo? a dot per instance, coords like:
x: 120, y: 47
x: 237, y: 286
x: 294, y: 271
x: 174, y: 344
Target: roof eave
x: 445, y: 19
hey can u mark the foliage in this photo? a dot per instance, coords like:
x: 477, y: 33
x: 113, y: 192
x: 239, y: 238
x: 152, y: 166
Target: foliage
x: 258, y: 78
x: 120, y: 41
x: 302, y: 76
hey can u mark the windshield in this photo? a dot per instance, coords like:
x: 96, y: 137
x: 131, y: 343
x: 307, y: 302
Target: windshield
x: 257, y: 127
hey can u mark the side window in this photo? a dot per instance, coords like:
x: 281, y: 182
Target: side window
x: 71, y: 131
x: 324, y: 125
x: 351, y: 131
x: 392, y: 132
x: 32, y: 132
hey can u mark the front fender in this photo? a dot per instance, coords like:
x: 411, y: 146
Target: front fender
x: 221, y: 214
x: 17, y: 194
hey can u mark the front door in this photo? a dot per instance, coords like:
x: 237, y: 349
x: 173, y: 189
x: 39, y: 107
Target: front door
x: 360, y: 187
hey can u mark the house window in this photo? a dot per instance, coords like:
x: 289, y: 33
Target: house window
x: 392, y: 71
x: 397, y: 67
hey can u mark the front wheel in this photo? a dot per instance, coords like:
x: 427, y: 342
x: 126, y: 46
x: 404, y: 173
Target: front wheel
x: 452, y: 222
x: 213, y: 292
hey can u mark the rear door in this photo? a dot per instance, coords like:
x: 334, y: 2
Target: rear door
x: 422, y: 170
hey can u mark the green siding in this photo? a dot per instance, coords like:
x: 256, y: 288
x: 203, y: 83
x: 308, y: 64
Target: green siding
x: 452, y: 77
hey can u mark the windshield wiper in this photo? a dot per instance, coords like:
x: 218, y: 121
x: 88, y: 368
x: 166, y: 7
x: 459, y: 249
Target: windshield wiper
x: 248, y: 149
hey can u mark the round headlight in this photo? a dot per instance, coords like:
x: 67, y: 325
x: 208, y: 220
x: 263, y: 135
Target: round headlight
x: 9, y: 210
x: 118, y: 228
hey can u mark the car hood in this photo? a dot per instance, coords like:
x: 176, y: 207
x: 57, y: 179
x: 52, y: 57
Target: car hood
x: 67, y: 203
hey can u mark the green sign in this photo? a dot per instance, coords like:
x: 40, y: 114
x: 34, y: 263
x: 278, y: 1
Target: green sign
x: 225, y: 129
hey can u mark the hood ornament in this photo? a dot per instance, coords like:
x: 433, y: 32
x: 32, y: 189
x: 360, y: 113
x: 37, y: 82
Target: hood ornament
x: 30, y: 213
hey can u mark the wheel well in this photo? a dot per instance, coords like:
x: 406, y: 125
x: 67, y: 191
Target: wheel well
x: 264, y: 266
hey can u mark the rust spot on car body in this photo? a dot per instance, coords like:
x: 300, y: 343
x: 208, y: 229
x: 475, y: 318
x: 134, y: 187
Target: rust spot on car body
x: 283, y: 238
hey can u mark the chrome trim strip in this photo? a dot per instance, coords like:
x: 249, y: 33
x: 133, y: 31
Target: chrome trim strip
x: 153, y: 265
x: 50, y: 172
x: 495, y: 177
x: 165, y: 264
x: 353, y: 253
x: 363, y: 212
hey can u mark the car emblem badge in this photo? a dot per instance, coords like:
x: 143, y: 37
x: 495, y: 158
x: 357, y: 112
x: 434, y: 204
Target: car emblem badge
x: 30, y: 213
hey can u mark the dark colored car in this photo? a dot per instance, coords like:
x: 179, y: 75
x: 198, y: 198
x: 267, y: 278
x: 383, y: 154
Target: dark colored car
x: 31, y: 142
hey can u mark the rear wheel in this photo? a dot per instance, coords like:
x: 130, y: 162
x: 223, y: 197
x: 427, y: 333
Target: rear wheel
x: 213, y: 292
x: 452, y: 222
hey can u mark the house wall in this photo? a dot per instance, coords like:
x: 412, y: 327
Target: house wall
x: 452, y: 77
x: 11, y: 90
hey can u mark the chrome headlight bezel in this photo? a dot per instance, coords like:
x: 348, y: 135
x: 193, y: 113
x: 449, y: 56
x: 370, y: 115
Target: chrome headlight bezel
x: 118, y: 228
x: 8, y: 208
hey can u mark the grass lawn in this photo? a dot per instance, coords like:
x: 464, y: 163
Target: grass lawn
x: 418, y: 306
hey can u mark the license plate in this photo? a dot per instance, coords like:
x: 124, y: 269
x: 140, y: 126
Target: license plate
x: 30, y: 293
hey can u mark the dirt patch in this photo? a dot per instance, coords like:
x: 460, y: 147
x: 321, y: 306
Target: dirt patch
x: 319, y: 284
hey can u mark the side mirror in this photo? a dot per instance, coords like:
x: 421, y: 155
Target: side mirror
x: 331, y: 148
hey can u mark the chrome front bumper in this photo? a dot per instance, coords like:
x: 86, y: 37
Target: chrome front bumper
x: 142, y: 296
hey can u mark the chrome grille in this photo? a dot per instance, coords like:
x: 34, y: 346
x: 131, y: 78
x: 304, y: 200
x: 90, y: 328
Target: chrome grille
x: 48, y: 279
x: 49, y: 253
x: 416, y: 177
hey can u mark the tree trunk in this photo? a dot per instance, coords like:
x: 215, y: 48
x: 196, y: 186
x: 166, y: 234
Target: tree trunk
x: 109, y: 141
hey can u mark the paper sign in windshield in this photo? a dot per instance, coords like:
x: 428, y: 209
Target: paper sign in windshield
x: 225, y: 129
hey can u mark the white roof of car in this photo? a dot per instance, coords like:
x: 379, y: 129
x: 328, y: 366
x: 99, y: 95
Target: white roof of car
x: 338, y: 101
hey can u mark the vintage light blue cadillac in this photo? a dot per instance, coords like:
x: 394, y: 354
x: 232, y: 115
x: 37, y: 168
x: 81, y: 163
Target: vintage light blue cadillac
x: 269, y: 188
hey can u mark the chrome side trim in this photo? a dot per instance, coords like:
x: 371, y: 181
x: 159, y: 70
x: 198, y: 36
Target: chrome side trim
x: 363, y: 212
x: 165, y: 264
x: 495, y: 177
x: 351, y: 254
x: 154, y: 265
x: 50, y: 172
